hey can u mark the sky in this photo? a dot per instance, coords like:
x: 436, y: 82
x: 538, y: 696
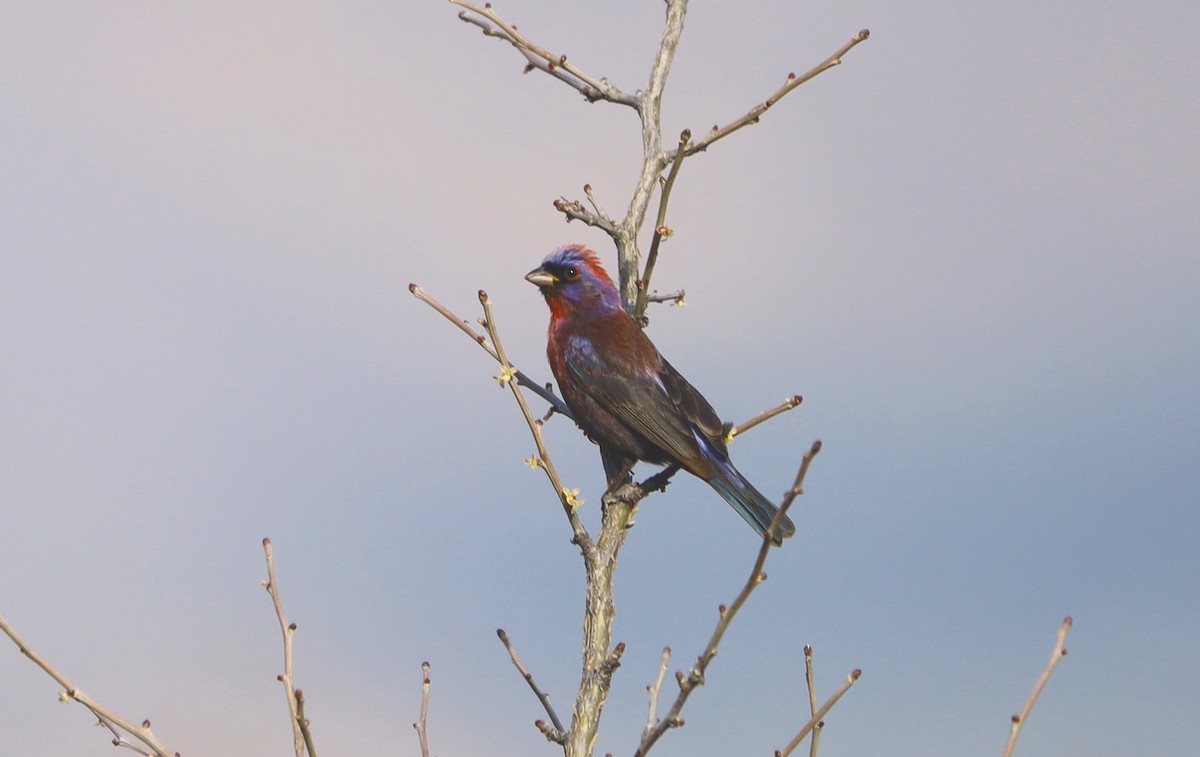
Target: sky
x: 972, y: 247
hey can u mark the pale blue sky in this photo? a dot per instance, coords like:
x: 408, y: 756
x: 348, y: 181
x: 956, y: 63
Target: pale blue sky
x: 973, y: 248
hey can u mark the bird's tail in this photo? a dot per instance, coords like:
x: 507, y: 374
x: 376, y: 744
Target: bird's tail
x: 749, y: 502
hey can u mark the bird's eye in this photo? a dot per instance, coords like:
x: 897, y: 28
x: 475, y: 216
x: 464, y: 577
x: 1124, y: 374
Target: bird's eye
x: 572, y: 273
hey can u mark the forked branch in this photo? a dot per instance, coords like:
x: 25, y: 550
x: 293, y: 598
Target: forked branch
x: 600, y: 658
x: 542, y: 391
x: 815, y: 721
x: 568, y: 497
x: 509, y: 373
x: 793, y: 81
x: 575, y: 211
x: 659, y: 481
x: 694, y: 678
x: 558, y: 66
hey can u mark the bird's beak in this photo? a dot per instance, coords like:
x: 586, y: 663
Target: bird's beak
x: 541, y: 278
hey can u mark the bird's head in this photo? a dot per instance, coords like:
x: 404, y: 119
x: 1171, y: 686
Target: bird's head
x: 573, y: 280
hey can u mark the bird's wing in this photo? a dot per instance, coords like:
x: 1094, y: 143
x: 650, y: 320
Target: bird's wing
x: 693, y: 406
x: 658, y: 404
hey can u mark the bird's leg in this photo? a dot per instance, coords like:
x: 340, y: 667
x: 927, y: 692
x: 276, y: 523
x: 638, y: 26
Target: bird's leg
x: 619, y: 480
x: 617, y: 467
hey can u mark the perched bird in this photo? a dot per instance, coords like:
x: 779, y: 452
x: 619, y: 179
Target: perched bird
x: 624, y: 395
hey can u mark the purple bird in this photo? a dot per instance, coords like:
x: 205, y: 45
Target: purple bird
x: 625, y: 396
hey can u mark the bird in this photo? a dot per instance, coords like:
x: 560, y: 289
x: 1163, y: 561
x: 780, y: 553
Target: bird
x: 623, y: 393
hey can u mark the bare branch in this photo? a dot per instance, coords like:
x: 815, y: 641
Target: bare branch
x: 600, y: 659
x: 574, y: 211
x: 558, y: 66
x: 587, y: 190
x: 1057, y: 654
x: 665, y: 57
x: 812, y: 700
x: 820, y: 713
x: 659, y: 481
x: 300, y: 736
x: 114, y: 723
x: 423, y: 716
x: 695, y: 677
x: 551, y: 733
x: 661, y: 230
x: 618, y: 503
x: 654, y: 689
x: 653, y: 159
x: 304, y: 724
x: 675, y: 298
x: 599, y: 557
x: 566, y: 496
x: 793, y: 81
x: 767, y: 415
x: 541, y: 695
x: 540, y: 390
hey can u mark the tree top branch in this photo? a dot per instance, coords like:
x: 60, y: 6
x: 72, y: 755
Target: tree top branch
x: 558, y: 66
x: 752, y: 116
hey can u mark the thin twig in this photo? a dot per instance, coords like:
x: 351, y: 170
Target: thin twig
x: 767, y: 415
x: 574, y: 211
x: 675, y: 298
x: 661, y: 230
x: 542, y: 696
x: 288, y: 630
x: 659, y: 481
x: 812, y: 700
x: 558, y: 66
x: 587, y: 190
x: 423, y: 716
x: 540, y: 390
x: 793, y: 81
x: 113, y: 722
x: 599, y: 558
x: 695, y: 677
x: 566, y: 496
x: 654, y: 689
x: 820, y: 713
x: 1057, y: 654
